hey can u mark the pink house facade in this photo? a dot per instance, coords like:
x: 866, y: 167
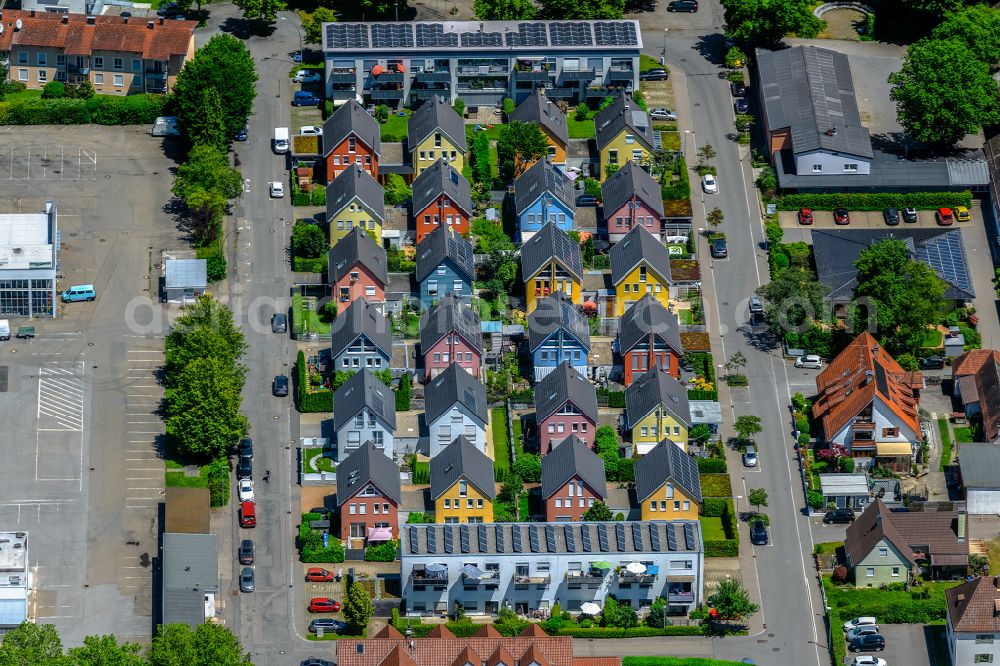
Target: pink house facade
x: 452, y: 349
x: 565, y: 405
x: 622, y: 220
x: 568, y: 421
x: 358, y: 283
x: 357, y: 268
x: 451, y: 334
x: 632, y: 198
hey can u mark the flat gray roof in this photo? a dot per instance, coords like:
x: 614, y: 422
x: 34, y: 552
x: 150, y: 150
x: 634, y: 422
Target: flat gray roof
x: 186, y: 273
x: 190, y: 569
x: 844, y: 484
x: 980, y: 465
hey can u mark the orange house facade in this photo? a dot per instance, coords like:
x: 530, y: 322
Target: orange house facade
x: 351, y: 136
x: 350, y: 151
x: 441, y: 211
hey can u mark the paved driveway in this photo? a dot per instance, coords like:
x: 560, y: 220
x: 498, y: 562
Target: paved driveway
x: 910, y: 644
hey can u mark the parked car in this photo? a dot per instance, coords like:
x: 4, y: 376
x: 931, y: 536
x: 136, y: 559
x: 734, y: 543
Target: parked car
x: 654, y: 74
x: 169, y: 11
x: 909, y: 215
x: 279, y: 387
x: 755, y: 304
x: 586, y: 200
x: 4, y: 329
x: 841, y: 216
x: 741, y: 106
x: 809, y: 361
x: 839, y: 516
x: 246, y: 580
x: 866, y: 643
x: 323, y: 605
x: 276, y: 189
x: 246, y: 551
x: 719, y: 249
x: 311, y: 130
x: 862, y: 630
x: 245, y: 490
x: 891, y: 216
x: 931, y: 363
x: 244, y: 468
x: 313, y: 661
x: 248, y: 514
x: 758, y: 533
x: 661, y: 113
x: 709, y: 184
x: 944, y: 217
x: 327, y: 624
x: 245, y: 448
x: 242, y: 134
x: 303, y: 98
x: 690, y: 6
x: 296, y: 56
x: 805, y: 216
x: 279, y: 323
x: 868, y: 660
x: 79, y: 292
x: 859, y: 622
x: 962, y: 214
x: 750, y: 456
x: 307, y: 76
x: 319, y: 575
x: 738, y: 89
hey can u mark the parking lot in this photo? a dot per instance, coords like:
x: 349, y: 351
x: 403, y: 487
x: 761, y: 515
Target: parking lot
x: 55, y: 162
x: 870, y: 219
x: 911, y: 644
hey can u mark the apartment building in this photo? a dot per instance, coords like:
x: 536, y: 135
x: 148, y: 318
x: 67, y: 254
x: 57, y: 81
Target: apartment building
x: 117, y: 55
x: 531, y: 566
x: 480, y: 61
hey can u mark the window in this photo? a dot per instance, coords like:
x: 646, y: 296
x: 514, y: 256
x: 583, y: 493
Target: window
x: 370, y: 292
x: 431, y: 155
x: 850, y: 167
x: 43, y: 76
x: 98, y: 62
x: 376, y: 511
x: 983, y: 659
x: 984, y: 639
x: 817, y: 168
x: 118, y: 64
x: 687, y: 505
x: 558, y: 502
x: 136, y: 65
x: 454, y: 155
x: 883, y: 552
x: 479, y: 503
x: 552, y: 427
x: 354, y: 509
x: 336, y: 160
x: 22, y: 58
x: 629, y: 138
x: 677, y: 505
x: 870, y: 572
x: 895, y: 572
x: 437, y: 357
x: 677, y: 431
x: 451, y: 519
x: 447, y: 503
x: 612, y: 156
x: 42, y: 59
x: 362, y: 509
x: 119, y: 80
x: 463, y: 488
x: 652, y: 505
x: 458, y: 285
x: 352, y: 144
x: 469, y: 503
x: 890, y: 432
x: 663, y: 505
x: 359, y: 420
x: 645, y: 431
x: 637, y: 154
x: 441, y: 270
x: 437, y: 139
x: 60, y: 60
x: 99, y: 79
x: 378, y: 438
x: 670, y: 490
x: 432, y: 288
x: 423, y: 154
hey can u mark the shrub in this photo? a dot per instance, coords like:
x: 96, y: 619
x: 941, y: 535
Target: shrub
x: 581, y: 112
x: 508, y: 106
x: 218, y: 482
x: 333, y: 553
x: 616, y: 399
x: 712, y: 465
x: 130, y: 110
x: 404, y: 394
x: 814, y: 499
x: 802, y: 423
x: 310, y: 402
x: 634, y: 632
x: 44, y: 112
x: 53, y: 90
x: 875, y: 200
x: 722, y: 548
x: 714, y: 507
x: 383, y: 552
x: 304, y: 265
x: 459, y: 106
x: 840, y: 575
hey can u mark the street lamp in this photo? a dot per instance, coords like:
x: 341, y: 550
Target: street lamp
x: 663, y: 60
x: 298, y: 30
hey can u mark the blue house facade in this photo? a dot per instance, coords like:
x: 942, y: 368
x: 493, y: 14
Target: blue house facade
x: 445, y: 265
x: 543, y: 194
x: 558, y: 332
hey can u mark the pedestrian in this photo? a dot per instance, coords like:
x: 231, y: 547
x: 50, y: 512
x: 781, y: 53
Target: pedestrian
x: 267, y: 476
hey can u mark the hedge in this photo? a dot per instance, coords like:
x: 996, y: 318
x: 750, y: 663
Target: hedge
x: 904, y: 611
x: 384, y: 552
x: 720, y: 507
x: 712, y: 466
x: 703, y: 395
x: 677, y: 661
x: 722, y: 548
x: 218, y: 482
x: 100, y: 110
x: 714, y: 507
x: 635, y: 632
x: 875, y: 200
x: 306, y: 265
x: 616, y: 399
x: 334, y: 553
x: 310, y: 402
x: 131, y: 110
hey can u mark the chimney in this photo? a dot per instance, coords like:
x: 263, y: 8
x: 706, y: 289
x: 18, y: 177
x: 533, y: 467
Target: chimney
x: 125, y: 19
x: 996, y: 583
x: 65, y: 19
x: 996, y: 608
x: 875, y: 349
x: 961, y: 527
x: 161, y: 20
x: 149, y: 24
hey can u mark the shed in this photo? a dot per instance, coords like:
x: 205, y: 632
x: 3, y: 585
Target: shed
x: 186, y: 511
x: 190, y: 578
x: 708, y: 412
x: 980, y: 469
x: 184, y: 279
x: 845, y: 490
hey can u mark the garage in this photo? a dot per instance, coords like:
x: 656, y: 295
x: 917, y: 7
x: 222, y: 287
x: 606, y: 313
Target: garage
x: 979, y: 466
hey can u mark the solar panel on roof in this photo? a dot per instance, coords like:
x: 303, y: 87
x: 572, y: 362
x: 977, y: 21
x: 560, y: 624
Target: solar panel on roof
x: 654, y: 537
x: 463, y: 534
x: 570, y: 33
x: 620, y: 536
x: 479, y: 39
x: 413, y: 539
x: 565, y: 249
x: 671, y: 539
x: 482, y: 539
x: 528, y: 34
x: 689, y: 536
x: 533, y: 540
x: 449, y: 545
x: 460, y: 250
x: 946, y: 255
x: 585, y: 537
x: 392, y: 35
x: 515, y: 536
x: 615, y: 33
x: 431, y: 540
x: 433, y: 36
x: 570, y: 542
x: 347, y: 36
x: 550, y: 538
x: 500, y: 542
x: 637, y: 536
x: 602, y: 536
x: 378, y: 406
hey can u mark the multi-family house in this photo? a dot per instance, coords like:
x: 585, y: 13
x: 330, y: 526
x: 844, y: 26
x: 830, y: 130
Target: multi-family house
x: 565, y: 404
x: 116, y: 55
x: 867, y: 403
x: 624, y: 134
x: 557, y: 332
x: 354, y: 199
x: 351, y: 136
x: 462, y: 484
x: 441, y: 197
x: 368, y: 496
x: 551, y: 262
x: 976, y: 380
x: 543, y: 195
x: 360, y: 337
x: 532, y: 566
x: 364, y: 410
x: 436, y: 131
x: 456, y: 405
x: 631, y: 198
x: 667, y: 485
x: 656, y: 407
x: 539, y: 109
x: 357, y: 268
x: 649, y: 335
x: 972, y: 613
x: 451, y: 333
x: 573, y: 480
x: 445, y: 265
x: 640, y: 264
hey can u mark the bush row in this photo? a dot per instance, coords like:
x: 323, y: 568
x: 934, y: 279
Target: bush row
x: 616, y: 399
x: 103, y: 110
x: 306, y: 265
x: 875, y: 200
x: 722, y: 548
x: 383, y: 552
x: 900, y: 611
x: 703, y: 395
x: 306, y: 402
x: 218, y: 482
x: 319, y: 555
x: 712, y: 466
x: 635, y: 632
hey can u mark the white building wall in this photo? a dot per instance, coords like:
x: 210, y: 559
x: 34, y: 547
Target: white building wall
x: 832, y: 164
x: 456, y: 421
x: 965, y: 647
x: 351, y: 437
x: 883, y: 417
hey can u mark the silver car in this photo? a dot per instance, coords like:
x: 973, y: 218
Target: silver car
x: 809, y: 361
x: 750, y: 456
x: 246, y: 580
x: 662, y: 113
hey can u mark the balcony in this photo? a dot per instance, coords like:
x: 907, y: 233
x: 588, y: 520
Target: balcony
x: 592, y: 577
x: 626, y: 578
x: 681, y: 597
x: 621, y: 75
x: 578, y: 75
x: 485, y: 579
x: 482, y: 71
x: 863, y: 424
x: 435, y: 76
x: 344, y: 77
x: 534, y: 75
x: 383, y: 93
x: 538, y: 579
x: 75, y: 69
x: 561, y: 93
x: 604, y: 91
x: 428, y: 93
x: 432, y: 574
x: 389, y: 77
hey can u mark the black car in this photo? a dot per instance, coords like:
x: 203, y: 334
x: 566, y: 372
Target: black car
x: 932, y: 363
x: 245, y: 448
x: 655, y: 74
x: 738, y: 89
x: 758, y: 533
x: 169, y: 11
x: 279, y: 323
x: 241, y: 134
x: 244, y: 468
x: 867, y: 642
x: 586, y: 200
x: 891, y: 216
x: 742, y: 106
x: 313, y: 661
x: 910, y: 215
x: 279, y: 387
x: 328, y: 624
x: 839, y: 516
x: 719, y: 248
x: 683, y: 6
x: 246, y: 551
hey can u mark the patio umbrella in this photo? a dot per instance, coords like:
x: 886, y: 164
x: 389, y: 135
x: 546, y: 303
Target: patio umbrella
x: 472, y: 571
x: 590, y: 608
x: 601, y: 564
x: 435, y: 568
x: 636, y: 568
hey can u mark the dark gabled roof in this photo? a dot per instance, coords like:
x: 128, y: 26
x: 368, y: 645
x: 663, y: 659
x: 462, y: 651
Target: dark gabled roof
x: 357, y: 247
x: 436, y: 114
x: 362, y: 390
x: 459, y: 459
x: 667, y: 462
x: 351, y: 118
x: 621, y: 114
x: 552, y: 313
x: 572, y: 457
x: 365, y: 465
x: 810, y: 91
x: 440, y: 244
x: 542, y: 177
x: 561, y: 385
x: 437, y: 179
x: 455, y: 385
x: 630, y: 180
x: 355, y: 182
x: 873, y: 525
x: 656, y: 387
x: 360, y: 318
x: 448, y: 315
x: 639, y: 245
x: 972, y: 607
x: 648, y: 316
x: 550, y: 243
x: 540, y: 110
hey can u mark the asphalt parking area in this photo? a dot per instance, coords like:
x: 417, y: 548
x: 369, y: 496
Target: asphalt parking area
x: 53, y: 162
x: 910, y: 644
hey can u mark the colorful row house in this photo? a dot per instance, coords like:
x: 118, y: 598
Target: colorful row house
x: 640, y: 264
x: 354, y: 200
x: 445, y: 265
x: 624, y: 134
x: 573, y: 480
x: 565, y: 404
x: 543, y: 195
x: 364, y: 411
x: 558, y: 332
x: 451, y: 333
x: 351, y: 136
x: 435, y: 131
x: 649, y: 336
x: 368, y: 497
x: 656, y: 407
x: 551, y: 262
x: 631, y: 198
x: 357, y: 268
x: 538, y: 109
x: 456, y: 405
x: 462, y: 484
x: 360, y: 337
x: 667, y: 485
x: 441, y: 197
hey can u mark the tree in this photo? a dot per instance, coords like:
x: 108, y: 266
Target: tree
x: 736, y: 362
x: 511, y: 489
x: 207, y: 167
x: 312, y: 24
x: 519, y: 144
x: 765, y: 22
x: 582, y: 111
x: 744, y: 121
x: 747, y: 426
x: 980, y: 565
x: 29, y: 644
x: 207, y: 645
x: 757, y: 497
x: 404, y: 394
x: 308, y: 240
x: 261, y: 10
x: 224, y: 63
x: 396, y: 190
x: 583, y: 9
x: 706, y: 154
x: 490, y: 237
x: 205, y: 209
x: 699, y: 433
x: 205, y: 330
x: 598, y: 512
x: 943, y: 92
x: 735, y: 58
x: 504, y: 10
x: 528, y: 468
x: 508, y: 106
x: 105, y: 651
x: 500, y: 270
x: 732, y: 601
x: 358, y: 608
x: 907, y: 294
x: 793, y: 300
x: 203, y: 412
x: 978, y: 27
x: 209, y: 126
x: 53, y: 90
x: 715, y: 217
x: 606, y: 446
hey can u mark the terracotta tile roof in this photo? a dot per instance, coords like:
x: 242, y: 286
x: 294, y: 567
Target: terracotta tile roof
x: 534, y: 630
x: 107, y: 33
x: 500, y: 657
x: 534, y: 656
x: 466, y: 656
x: 487, y: 631
x: 982, y: 367
x: 971, y: 361
x: 852, y: 381
x: 597, y: 661
x: 973, y: 606
x: 439, y: 649
x: 398, y: 656
x: 872, y: 526
x: 440, y: 631
x: 388, y: 631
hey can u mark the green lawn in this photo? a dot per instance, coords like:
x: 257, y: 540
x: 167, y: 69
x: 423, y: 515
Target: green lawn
x: 932, y: 339
x: 671, y: 140
x: 501, y: 447
x: 518, y: 437
x: 311, y: 320
x: 676, y: 661
x: 716, y: 485
x: 524, y: 514
x: 581, y: 129
x: 494, y: 160
x: 23, y: 94
x: 827, y: 547
x: 421, y: 469
x: 177, y: 479
x: 648, y: 62
x: 945, y: 444
x: 963, y: 435
x: 684, y: 316
x: 711, y: 529
x: 322, y: 463
x: 395, y: 127
x: 412, y: 325
x: 492, y: 131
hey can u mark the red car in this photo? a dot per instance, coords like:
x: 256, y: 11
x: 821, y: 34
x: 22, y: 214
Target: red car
x: 944, y: 217
x: 841, y: 216
x: 319, y: 575
x: 805, y: 216
x: 248, y: 514
x: 323, y: 605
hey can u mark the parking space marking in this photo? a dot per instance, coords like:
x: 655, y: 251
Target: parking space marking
x: 60, y: 397
x: 49, y: 163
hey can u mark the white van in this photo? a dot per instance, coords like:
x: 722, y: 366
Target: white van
x: 281, y: 140
x: 165, y: 126
x: 4, y: 329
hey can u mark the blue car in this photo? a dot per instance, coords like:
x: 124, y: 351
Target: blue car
x: 241, y: 134
x: 305, y: 99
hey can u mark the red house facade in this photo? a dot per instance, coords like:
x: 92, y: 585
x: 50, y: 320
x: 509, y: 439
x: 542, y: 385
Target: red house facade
x: 368, y: 496
x: 450, y: 334
x: 573, y: 480
x: 631, y: 198
x: 565, y: 404
x: 441, y: 196
x: 351, y: 136
x: 357, y: 268
x: 649, y: 336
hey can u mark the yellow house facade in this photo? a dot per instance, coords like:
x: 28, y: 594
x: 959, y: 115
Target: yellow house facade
x: 433, y: 131
x: 463, y: 503
x: 640, y: 265
x: 670, y: 502
x: 552, y: 278
x: 355, y: 214
x: 462, y: 483
x: 641, y: 281
x: 657, y: 410
x: 551, y: 262
x: 624, y: 133
x: 624, y: 147
x: 667, y: 484
x: 437, y: 145
x: 355, y: 199
x: 659, y: 423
